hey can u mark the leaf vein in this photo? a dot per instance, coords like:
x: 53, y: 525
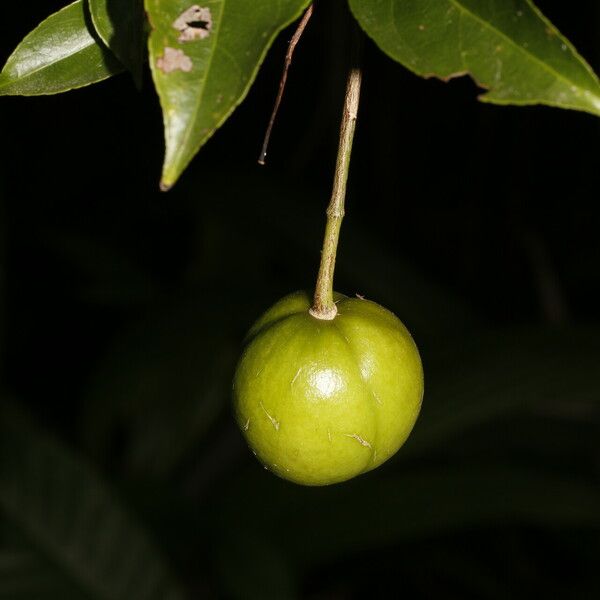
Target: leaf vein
x: 522, y: 50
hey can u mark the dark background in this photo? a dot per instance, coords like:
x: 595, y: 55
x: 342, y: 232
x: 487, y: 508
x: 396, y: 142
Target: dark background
x: 123, y: 309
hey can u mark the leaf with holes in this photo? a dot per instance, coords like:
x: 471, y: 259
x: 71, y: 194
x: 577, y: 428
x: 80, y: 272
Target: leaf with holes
x: 120, y: 24
x: 72, y: 530
x: 204, y: 60
x: 507, y: 46
x: 60, y: 54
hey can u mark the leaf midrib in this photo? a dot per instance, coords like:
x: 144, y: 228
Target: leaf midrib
x: 188, y: 132
x: 461, y: 8
x: 92, y: 42
x: 204, y: 83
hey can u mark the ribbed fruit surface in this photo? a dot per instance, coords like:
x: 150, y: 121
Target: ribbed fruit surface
x: 319, y: 401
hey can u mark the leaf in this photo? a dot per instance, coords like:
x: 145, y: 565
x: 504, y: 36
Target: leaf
x: 507, y: 46
x: 245, y: 560
x: 200, y: 81
x: 69, y: 515
x: 163, y: 385
x: 62, y: 53
x: 502, y: 375
x: 26, y: 574
x: 120, y: 24
x: 538, y: 471
x: 374, y: 511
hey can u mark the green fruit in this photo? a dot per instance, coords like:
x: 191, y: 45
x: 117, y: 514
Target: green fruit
x: 321, y: 401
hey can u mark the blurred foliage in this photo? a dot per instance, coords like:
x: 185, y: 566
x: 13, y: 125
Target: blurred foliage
x: 64, y: 514
x: 121, y: 472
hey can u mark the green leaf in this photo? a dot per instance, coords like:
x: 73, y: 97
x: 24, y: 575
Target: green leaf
x: 62, y: 53
x: 245, y: 559
x: 500, y: 375
x: 372, y: 511
x: 202, y: 72
x: 535, y: 470
x: 163, y: 385
x: 27, y: 575
x: 507, y: 46
x: 69, y: 516
x: 120, y: 24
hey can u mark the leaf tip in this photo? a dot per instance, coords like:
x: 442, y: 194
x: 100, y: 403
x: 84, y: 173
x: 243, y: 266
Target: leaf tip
x: 164, y: 186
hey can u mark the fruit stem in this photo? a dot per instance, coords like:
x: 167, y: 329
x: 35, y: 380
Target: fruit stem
x: 323, y: 305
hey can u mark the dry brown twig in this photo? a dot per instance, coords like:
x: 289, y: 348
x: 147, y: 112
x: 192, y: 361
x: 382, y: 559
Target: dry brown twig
x: 288, y: 61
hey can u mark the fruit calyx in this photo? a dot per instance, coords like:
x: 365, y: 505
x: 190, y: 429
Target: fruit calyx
x: 327, y: 313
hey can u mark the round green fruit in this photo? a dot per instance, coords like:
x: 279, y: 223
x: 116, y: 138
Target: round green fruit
x: 321, y: 401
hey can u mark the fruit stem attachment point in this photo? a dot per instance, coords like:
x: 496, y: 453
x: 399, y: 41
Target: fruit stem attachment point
x: 323, y: 305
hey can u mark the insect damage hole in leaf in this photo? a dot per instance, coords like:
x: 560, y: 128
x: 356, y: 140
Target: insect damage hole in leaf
x: 174, y: 60
x: 195, y: 23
